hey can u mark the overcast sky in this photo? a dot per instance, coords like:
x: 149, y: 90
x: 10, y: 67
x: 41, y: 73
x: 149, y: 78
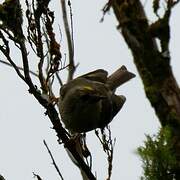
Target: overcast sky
x: 23, y: 125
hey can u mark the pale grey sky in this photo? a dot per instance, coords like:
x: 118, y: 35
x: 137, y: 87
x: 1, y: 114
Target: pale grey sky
x: 23, y: 125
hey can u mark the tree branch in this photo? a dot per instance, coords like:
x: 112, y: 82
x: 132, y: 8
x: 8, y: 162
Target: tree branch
x: 36, y: 39
x: 70, y: 42
x: 18, y: 67
x: 6, y: 51
x: 108, y: 147
x: 154, y: 68
x: 153, y: 64
x: 54, y: 163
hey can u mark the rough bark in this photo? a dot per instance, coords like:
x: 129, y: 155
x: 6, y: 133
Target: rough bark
x: 152, y: 64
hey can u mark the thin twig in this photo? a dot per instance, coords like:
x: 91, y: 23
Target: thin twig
x: 69, y: 41
x: 108, y: 147
x: 71, y: 22
x: 26, y: 65
x: 37, y: 176
x: 9, y: 35
x: 54, y: 163
x: 1, y: 177
x: 6, y: 53
x: 39, y: 45
x: 59, y: 79
x: 49, y: 106
x: 20, y: 68
x: 48, y: 79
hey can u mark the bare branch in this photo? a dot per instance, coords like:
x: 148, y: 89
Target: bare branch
x: 53, y: 46
x: 45, y: 102
x: 20, y: 68
x: 69, y: 41
x: 108, y: 146
x: 59, y: 79
x: 54, y: 163
x: 6, y: 51
x: 1, y: 177
x: 71, y: 22
x: 10, y: 36
x: 37, y: 176
x: 35, y: 36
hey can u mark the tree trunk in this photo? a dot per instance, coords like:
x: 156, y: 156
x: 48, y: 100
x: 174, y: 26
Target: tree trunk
x: 153, y: 64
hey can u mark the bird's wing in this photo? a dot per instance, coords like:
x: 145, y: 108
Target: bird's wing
x: 99, y: 75
x: 117, y: 103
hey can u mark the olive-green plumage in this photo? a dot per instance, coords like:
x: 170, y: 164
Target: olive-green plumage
x: 89, y: 102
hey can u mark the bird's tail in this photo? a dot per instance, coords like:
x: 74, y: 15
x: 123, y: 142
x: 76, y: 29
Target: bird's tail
x: 119, y: 77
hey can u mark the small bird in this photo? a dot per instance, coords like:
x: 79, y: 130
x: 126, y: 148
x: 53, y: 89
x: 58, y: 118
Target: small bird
x: 89, y: 101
